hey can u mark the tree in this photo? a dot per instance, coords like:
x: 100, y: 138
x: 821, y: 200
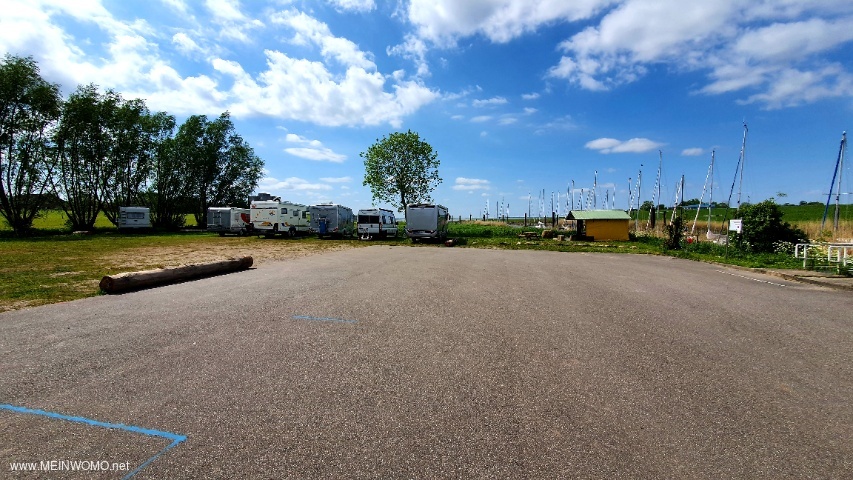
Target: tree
x: 135, y: 133
x: 29, y: 108
x: 401, y: 169
x: 223, y: 168
x: 84, y: 140
x: 763, y: 227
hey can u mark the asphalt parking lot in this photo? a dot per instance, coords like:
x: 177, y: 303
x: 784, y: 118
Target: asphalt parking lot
x: 402, y: 362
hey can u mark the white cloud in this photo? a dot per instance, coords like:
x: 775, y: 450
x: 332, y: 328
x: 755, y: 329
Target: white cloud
x: 491, y: 101
x: 612, y: 145
x: 481, y: 118
x: 270, y: 184
x: 128, y: 60
x: 361, y: 6
x: 471, y: 184
x: 692, y: 152
x: 337, y: 180
x: 443, y: 22
x: 309, y: 30
x: 312, y: 150
x: 767, y: 47
x: 530, y: 96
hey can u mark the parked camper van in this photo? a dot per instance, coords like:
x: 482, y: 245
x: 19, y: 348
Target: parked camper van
x: 134, y: 217
x: 330, y: 220
x: 426, y: 221
x: 376, y: 222
x: 224, y: 220
x: 279, y: 218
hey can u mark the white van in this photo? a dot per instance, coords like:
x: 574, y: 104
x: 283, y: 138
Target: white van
x: 224, y: 220
x: 134, y: 217
x: 279, y: 218
x: 376, y: 222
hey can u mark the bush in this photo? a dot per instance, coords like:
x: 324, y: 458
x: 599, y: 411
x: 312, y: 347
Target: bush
x: 674, y: 234
x: 764, y: 230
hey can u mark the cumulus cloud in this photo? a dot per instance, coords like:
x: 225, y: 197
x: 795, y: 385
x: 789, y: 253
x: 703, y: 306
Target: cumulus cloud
x: 343, y: 87
x: 471, y: 184
x: 336, y: 179
x: 490, y: 101
x: 692, y: 152
x: 312, y: 150
x: 612, y: 145
x: 361, y: 6
x: 771, y: 48
x: 293, y: 184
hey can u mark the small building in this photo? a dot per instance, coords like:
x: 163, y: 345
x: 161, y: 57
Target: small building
x: 601, y: 224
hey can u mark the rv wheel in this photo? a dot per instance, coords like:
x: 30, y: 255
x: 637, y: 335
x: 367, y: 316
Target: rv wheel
x: 292, y: 232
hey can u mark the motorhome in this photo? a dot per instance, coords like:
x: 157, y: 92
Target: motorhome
x: 274, y: 217
x: 425, y: 221
x: 134, y: 218
x: 223, y: 220
x: 330, y: 220
x: 376, y: 223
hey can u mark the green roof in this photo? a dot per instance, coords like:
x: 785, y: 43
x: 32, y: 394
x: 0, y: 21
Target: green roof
x: 598, y: 215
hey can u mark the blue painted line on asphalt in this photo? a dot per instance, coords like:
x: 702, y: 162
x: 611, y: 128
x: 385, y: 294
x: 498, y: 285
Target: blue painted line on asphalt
x: 174, y: 437
x: 323, y: 319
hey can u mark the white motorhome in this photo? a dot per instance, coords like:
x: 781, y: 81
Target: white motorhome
x: 224, y: 220
x: 134, y: 217
x: 425, y: 221
x: 279, y: 218
x: 376, y: 222
x: 331, y: 220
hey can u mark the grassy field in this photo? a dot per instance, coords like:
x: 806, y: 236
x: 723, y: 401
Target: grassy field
x: 56, y: 266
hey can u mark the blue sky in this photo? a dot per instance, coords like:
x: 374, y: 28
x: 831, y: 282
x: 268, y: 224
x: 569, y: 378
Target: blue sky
x: 516, y: 96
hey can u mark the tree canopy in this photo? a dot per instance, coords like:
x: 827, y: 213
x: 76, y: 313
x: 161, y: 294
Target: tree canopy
x: 29, y: 109
x: 401, y: 169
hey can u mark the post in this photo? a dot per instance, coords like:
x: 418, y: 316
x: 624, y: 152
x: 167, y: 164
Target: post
x: 525, y: 219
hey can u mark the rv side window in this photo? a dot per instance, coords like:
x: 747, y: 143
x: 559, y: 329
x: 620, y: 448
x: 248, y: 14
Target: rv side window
x: 135, y: 215
x: 284, y: 211
x: 305, y: 214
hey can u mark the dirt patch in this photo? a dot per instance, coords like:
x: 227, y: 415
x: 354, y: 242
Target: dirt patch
x: 261, y: 252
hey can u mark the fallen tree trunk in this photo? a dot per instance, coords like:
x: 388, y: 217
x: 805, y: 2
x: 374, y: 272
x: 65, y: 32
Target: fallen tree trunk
x: 123, y: 282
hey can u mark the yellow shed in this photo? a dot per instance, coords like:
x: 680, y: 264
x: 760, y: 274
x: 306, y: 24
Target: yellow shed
x: 602, y: 224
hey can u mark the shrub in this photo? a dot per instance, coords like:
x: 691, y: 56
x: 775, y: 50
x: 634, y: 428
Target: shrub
x: 674, y: 234
x: 763, y: 229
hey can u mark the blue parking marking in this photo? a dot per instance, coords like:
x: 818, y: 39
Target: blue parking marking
x: 323, y: 319
x: 174, y: 437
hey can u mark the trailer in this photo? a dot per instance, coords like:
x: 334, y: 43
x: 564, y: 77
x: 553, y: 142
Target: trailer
x: 223, y: 220
x: 331, y: 220
x: 425, y: 221
x: 376, y: 223
x: 274, y: 217
x: 131, y: 218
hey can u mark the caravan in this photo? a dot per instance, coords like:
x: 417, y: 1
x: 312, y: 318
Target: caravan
x: 275, y: 217
x: 426, y: 221
x: 224, y: 220
x: 132, y: 218
x: 330, y: 220
x: 376, y: 222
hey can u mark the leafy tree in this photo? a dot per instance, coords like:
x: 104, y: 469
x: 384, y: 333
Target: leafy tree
x: 401, y: 169
x: 29, y: 108
x: 135, y: 134
x: 223, y: 168
x: 763, y: 227
x: 84, y: 140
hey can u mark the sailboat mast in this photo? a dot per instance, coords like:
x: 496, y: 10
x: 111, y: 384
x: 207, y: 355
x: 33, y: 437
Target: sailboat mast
x: 711, y: 192
x: 835, y: 175
x: 742, y: 164
x: 840, y: 173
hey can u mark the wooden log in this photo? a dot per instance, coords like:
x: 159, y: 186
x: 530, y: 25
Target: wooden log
x: 123, y: 282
